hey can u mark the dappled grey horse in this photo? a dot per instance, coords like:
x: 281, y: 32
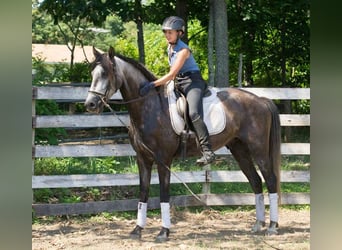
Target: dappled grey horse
x: 251, y: 133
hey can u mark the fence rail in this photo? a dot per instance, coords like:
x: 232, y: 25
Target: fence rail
x: 69, y: 93
x: 154, y: 203
x: 93, y: 180
x: 108, y: 120
x: 127, y: 150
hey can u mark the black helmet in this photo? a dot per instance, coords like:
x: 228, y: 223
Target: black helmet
x: 174, y: 23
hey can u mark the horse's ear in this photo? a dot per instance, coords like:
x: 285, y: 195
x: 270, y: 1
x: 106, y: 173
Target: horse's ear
x: 111, y: 53
x: 96, y: 53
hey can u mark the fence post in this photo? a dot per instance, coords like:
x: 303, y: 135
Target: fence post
x: 34, y: 96
x: 240, y: 71
x: 206, y: 185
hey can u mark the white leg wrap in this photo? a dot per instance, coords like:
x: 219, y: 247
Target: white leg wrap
x: 260, y: 207
x: 142, y: 213
x: 165, y: 213
x: 273, y: 207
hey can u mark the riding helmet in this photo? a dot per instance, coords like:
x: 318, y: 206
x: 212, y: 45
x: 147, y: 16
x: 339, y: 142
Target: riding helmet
x: 174, y: 23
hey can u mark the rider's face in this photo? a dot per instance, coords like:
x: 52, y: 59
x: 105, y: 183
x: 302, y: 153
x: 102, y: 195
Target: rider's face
x: 171, y: 35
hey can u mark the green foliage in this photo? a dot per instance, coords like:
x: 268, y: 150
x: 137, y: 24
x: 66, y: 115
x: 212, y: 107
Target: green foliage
x: 198, y: 38
x: 85, y: 165
x: 266, y: 34
x: 66, y: 11
x: 59, y: 72
x: 41, y: 71
x: 301, y: 107
x: 79, y: 73
x: 269, y: 33
x: 43, y: 194
x: 155, y: 45
x: 44, y: 73
x: 43, y: 29
x: 48, y: 135
x: 298, y: 187
x: 295, y: 162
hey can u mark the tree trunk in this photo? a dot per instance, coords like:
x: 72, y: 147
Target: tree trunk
x: 211, y: 61
x: 221, y: 43
x: 182, y: 12
x: 287, y: 103
x: 249, y: 71
x: 139, y: 22
x: 248, y: 44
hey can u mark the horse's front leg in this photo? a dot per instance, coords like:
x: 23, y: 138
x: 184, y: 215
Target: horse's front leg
x: 164, y: 184
x: 145, y: 169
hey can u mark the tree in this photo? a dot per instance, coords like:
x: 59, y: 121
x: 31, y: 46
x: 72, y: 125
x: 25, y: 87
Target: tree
x: 272, y: 35
x: 219, y: 22
x: 43, y: 30
x: 71, y: 19
x: 75, y: 17
x: 211, y: 62
x: 182, y: 12
x: 139, y: 21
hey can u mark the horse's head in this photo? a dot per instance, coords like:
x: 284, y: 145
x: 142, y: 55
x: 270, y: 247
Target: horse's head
x: 105, y: 81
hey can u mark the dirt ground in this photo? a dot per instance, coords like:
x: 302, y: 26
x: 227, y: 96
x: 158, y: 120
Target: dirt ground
x: 208, y: 229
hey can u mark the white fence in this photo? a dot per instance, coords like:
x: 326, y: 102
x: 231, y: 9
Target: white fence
x: 69, y: 93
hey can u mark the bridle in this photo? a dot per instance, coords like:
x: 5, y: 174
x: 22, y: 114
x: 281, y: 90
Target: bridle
x: 103, y: 98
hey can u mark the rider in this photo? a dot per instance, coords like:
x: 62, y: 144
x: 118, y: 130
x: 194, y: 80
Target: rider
x: 183, y: 64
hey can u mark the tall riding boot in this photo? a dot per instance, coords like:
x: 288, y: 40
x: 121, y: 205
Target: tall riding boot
x: 203, y: 138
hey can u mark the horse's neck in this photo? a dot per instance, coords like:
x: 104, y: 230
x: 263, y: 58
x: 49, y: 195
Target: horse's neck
x: 130, y: 78
x: 141, y: 108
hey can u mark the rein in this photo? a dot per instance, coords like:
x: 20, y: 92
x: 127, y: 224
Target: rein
x: 102, y: 97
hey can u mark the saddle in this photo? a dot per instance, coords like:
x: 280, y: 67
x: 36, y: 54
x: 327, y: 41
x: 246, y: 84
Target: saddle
x: 213, y: 112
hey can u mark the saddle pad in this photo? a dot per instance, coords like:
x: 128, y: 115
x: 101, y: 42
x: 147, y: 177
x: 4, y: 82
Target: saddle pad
x: 214, y: 116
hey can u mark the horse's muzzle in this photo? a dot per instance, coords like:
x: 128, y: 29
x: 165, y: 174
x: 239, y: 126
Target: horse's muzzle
x: 93, y: 104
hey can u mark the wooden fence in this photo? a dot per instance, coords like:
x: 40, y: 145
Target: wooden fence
x: 72, y: 93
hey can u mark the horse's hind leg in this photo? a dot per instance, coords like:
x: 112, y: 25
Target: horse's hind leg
x: 242, y: 155
x: 271, y: 183
x: 265, y: 166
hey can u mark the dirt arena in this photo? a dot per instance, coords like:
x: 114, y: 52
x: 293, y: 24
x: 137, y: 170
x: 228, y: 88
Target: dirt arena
x: 208, y: 229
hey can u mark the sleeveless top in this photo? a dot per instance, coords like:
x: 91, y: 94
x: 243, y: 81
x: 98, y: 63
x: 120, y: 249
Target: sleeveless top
x: 189, y: 64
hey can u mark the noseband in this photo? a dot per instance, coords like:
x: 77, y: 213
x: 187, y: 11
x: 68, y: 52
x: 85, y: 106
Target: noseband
x: 102, y: 97
x: 99, y: 94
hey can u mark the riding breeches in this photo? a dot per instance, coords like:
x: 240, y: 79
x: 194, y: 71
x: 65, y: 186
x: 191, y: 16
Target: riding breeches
x: 194, y: 96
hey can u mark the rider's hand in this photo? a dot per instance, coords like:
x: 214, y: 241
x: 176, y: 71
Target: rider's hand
x: 145, y: 87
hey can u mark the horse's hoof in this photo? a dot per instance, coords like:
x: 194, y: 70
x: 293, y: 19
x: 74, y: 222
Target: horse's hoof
x: 163, y: 235
x: 136, y: 233
x: 258, y: 226
x: 272, y: 229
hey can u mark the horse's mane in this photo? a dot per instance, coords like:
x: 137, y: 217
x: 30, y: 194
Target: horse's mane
x: 139, y: 66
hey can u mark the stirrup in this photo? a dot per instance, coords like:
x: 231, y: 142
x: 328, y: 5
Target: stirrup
x: 208, y: 157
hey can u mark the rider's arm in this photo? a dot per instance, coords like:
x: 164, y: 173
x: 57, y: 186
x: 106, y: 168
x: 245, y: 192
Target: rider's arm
x: 182, y: 55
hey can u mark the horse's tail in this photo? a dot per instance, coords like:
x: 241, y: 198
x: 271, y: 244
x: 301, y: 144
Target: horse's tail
x: 275, y: 142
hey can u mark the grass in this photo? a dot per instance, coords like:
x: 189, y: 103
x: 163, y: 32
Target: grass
x: 114, y: 165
